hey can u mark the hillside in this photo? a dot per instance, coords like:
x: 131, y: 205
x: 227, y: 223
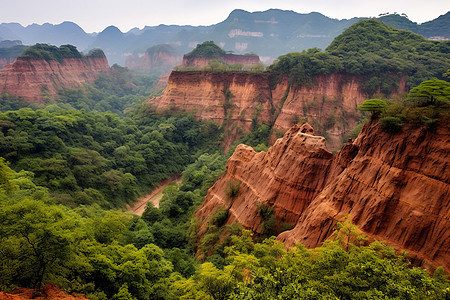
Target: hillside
x: 394, y: 187
x: 322, y: 87
x: 42, y: 70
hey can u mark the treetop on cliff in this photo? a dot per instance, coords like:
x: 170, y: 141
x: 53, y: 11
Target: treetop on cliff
x: 207, y: 49
x: 50, y: 52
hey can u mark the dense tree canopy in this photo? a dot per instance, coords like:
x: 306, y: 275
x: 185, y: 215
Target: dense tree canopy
x: 89, y: 157
x: 50, y: 52
x: 374, y: 51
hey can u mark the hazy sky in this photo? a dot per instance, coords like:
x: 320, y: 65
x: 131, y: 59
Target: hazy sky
x: 95, y: 15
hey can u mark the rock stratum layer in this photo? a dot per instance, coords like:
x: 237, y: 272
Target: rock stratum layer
x: 37, y: 79
x: 396, y: 188
x: 330, y: 103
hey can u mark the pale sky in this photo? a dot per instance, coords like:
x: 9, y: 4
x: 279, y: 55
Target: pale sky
x: 96, y: 15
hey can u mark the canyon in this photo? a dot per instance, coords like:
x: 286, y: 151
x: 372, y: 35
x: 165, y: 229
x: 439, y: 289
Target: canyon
x: 237, y: 100
x: 38, y: 80
x: 394, y: 187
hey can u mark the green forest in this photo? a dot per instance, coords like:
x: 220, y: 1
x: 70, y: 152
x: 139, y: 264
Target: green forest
x: 68, y: 169
x: 379, y: 54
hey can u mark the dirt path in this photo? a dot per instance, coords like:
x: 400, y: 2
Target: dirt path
x: 154, y: 197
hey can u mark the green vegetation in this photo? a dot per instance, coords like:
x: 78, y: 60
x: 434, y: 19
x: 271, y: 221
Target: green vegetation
x: 71, y: 170
x: 233, y: 189
x: 207, y: 49
x: 9, y: 102
x: 117, y: 92
x: 373, y: 105
x: 425, y: 105
x: 50, y: 52
x: 162, y: 48
x: 214, y: 53
x: 381, y: 55
x: 267, y: 271
x: 116, y: 255
x: 90, y: 157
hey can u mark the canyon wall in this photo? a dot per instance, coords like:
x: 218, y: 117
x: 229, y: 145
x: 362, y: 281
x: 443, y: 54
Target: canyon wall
x: 394, y: 187
x: 38, y: 80
x: 329, y: 103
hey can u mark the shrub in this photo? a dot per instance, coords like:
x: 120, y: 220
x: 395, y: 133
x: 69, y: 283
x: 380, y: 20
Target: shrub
x: 373, y: 105
x: 233, y: 188
x: 391, y: 124
x: 219, y: 217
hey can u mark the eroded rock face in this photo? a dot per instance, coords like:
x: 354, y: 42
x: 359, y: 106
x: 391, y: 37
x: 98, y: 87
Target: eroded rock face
x: 35, y: 79
x: 396, y: 188
x: 330, y: 102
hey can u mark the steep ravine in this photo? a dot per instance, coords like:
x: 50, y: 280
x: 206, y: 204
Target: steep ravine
x: 330, y: 102
x: 396, y: 188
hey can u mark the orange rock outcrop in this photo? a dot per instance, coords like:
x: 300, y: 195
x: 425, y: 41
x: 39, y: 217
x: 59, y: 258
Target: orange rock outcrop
x: 330, y: 102
x: 50, y: 292
x: 395, y: 187
x: 37, y: 79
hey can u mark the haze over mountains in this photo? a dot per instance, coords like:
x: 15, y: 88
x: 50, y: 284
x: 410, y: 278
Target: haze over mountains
x: 269, y: 34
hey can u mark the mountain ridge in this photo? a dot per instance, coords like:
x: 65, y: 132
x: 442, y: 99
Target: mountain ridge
x: 268, y: 33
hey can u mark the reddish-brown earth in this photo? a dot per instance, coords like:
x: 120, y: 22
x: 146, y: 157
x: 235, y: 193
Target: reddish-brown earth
x: 50, y: 292
x: 395, y: 187
x: 38, y: 80
x: 329, y: 103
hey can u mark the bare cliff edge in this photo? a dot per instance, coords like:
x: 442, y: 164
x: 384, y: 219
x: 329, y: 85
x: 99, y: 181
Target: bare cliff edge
x: 329, y: 103
x: 395, y: 188
x: 34, y: 79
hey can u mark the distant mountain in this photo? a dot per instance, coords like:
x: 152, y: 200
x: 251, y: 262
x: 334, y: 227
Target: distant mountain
x: 269, y: 34
x: 60, y: 34
x: 438, y: 28
x: 9, y: 50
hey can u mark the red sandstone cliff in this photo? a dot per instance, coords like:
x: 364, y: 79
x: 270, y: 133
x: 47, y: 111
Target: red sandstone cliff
x: 396, y: 188
x: 34, y: 79
x: 329, y: 103
x: 158, y: 62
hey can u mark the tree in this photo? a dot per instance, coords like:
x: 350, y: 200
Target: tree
x: 430, y: 92
x: 376, y: 106
x: 35, y: 239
